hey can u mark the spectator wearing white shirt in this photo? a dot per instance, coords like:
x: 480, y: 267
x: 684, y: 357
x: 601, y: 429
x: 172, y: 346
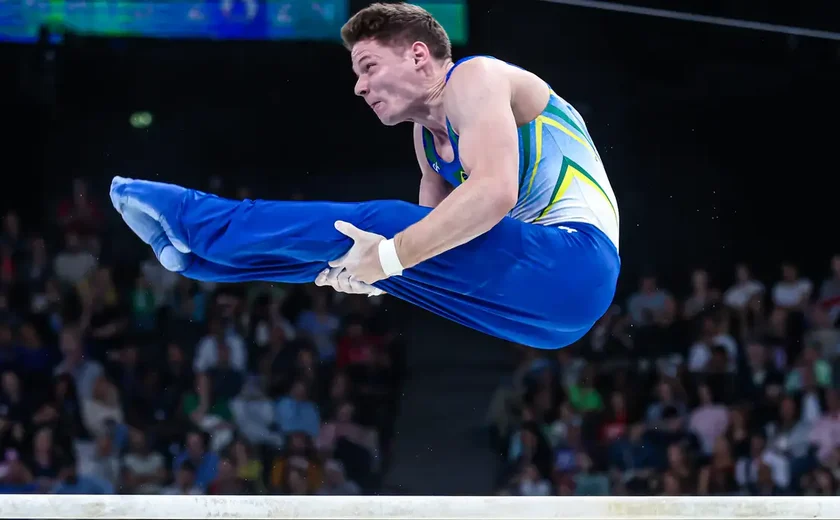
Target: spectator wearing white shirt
x: 745, y: 288
x: 792, y: 292
x: 73, y: 263
x: 713, y: 335
x: 253, y: 413
x: 207, y: 352
x: 103, y: 408
x: 85, y: 373
x: 531, y: 483
x: 825, y: 434
x: 747, y: 468
x: 789, y: 437
x: 103, y: 463
x: 144, y: 470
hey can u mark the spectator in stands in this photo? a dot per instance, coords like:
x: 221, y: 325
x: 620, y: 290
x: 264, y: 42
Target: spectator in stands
x: 208, y: 350
x: 296, y: 470
x: 71, y: 483
x: 745, y: 289
x: 253, y: 414
x: 792, y: 292
x: 205, y: 463
x: 336, y: 482
x: 702, y: 296
x: 185, y: 481
x: 829, y: 295
x: 80, y: 214
x: 227, y: 481
x: 102, y: 411
x: 143, y: 305
x: 104, y: 463
x: 652, y: 312
x: 10, y: 233
x: 209, y: 413
x: 74, y: 262
x: 248, y: 469
x: 740, y: 398
x: 295, y: 413
x: 125, y: 377
x: 651, y: 305
x: 713, y: 334
x: 144, y: 471
x: 320, y: 326
x: 85, y: 372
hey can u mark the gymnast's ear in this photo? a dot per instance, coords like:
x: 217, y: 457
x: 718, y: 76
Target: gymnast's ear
x: 420, y: 53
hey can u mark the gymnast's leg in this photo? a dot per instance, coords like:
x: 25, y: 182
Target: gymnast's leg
x: 509, y: 282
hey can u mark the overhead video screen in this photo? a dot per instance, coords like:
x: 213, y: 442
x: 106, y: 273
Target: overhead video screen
x: 199, y: 19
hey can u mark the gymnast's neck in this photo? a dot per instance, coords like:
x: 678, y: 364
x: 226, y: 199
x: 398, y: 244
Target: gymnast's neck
x: 430, y: 112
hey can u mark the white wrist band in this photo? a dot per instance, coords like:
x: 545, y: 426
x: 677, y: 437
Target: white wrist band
x: 388, y: 258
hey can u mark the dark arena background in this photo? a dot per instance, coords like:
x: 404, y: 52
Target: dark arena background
x: 717, y: 122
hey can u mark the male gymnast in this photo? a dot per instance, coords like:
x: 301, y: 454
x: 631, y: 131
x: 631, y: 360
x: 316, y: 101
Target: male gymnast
x: 516, y: 234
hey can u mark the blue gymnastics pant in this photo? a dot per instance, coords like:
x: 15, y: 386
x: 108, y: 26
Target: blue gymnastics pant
x: 539, y: 286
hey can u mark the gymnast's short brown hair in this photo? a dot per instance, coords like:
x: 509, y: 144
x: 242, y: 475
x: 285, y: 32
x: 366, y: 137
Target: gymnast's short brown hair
x: 400, y: 24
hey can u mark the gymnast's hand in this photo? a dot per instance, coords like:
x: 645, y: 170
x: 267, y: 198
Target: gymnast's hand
x: 362, y: 261
x: 342, y: 282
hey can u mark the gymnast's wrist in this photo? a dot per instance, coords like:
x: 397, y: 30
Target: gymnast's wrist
x: 389, y: 259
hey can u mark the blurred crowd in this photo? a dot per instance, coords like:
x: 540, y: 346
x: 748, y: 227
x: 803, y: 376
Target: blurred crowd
x: 117, y: 376
x: 728, y: 391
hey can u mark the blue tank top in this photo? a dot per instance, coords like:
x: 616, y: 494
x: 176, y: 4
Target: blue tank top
x: 561, y: 177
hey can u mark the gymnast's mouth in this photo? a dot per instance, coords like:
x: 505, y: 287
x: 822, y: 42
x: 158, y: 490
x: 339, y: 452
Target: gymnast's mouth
x: 375, y: 105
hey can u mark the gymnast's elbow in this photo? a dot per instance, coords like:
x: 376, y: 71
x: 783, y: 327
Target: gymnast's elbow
x: 502, y: 203
x: 497, y: 197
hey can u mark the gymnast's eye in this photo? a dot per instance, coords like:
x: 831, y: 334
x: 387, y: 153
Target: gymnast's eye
x: 369, y: 66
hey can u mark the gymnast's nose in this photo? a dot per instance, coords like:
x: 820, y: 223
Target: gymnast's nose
x: 361, y: 88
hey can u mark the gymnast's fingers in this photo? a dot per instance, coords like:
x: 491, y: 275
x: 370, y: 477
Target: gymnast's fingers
x: 349, y: 230
x: 359, y: 287
x: 375, y: 291
x: 321, y: 279
x: 332, y: 276
x: 343, y: 282
x: 352, y: 232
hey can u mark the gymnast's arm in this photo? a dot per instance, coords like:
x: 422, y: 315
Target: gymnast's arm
x: 433, y: 189
x: 478, y: 105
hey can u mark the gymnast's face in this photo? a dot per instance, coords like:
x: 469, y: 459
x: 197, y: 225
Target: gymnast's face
x: 391, y: 78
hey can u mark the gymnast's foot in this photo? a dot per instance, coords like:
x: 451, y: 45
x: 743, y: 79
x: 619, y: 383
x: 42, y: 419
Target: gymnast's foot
x: 136, y: 202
